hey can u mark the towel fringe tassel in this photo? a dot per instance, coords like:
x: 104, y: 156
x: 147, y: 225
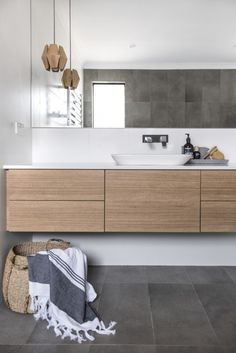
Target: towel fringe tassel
x: 43, y: 311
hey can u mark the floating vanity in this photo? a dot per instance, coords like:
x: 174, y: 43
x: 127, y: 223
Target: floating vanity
x: 111, y: 198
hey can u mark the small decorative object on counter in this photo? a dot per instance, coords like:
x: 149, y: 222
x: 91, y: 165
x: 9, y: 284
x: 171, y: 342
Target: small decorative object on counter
x: 211, y: 157
x: 188, y: 147
x: 196, y: 153
x: 214, y: 153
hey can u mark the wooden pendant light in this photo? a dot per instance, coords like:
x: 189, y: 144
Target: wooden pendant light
x: 54, y: 57
x: 70, y: 78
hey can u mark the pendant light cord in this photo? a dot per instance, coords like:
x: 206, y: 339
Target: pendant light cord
x: 54, y: 21
x: 70, y: 29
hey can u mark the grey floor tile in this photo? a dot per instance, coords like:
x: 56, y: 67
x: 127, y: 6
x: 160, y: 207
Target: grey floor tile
x: 78, y: 348
x: 126, y: 274
x: 219, y: 301
x: 97, y: 274
x: 207, y: 274
x: 15, y: 328
x: 229, y: 349
x: 9, y: 349
x: 166, y: 274
x: 122, y: 349
x: 129, y: 306
x: 178, y: 316
x: 231, y: 271
x: 189, y: 349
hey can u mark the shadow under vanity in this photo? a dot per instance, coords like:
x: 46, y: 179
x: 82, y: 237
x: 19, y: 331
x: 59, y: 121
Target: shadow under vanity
x: 121, y: 200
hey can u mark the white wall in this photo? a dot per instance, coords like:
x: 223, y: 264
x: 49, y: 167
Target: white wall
x: 14, y: 100
x: 75, y: 145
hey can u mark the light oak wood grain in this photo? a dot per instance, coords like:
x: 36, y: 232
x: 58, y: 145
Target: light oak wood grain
x: 152, y: 201
x: 55, y: 185
x: 218, y: 216
x: 218, y: 185
x: 55, y: 216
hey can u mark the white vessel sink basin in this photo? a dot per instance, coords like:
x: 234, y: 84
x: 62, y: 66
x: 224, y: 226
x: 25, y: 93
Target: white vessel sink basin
x: 151, y: 159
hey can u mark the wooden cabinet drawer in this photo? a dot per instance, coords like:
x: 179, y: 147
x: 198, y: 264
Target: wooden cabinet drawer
x: 218, y: 185
x: 55, y: 216
x: 218, y: 216
x: 55, y: 185
x: 152, y: 201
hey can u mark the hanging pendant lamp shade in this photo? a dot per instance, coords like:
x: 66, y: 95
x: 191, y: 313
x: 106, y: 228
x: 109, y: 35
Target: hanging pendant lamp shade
x: 70, y: 78
x: 54, y: 57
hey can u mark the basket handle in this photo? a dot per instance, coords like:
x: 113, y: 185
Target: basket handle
x: 53, y: 240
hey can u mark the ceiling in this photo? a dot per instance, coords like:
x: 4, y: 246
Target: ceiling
x: 155, y: 33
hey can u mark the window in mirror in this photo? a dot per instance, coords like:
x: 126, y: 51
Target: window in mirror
x: 108, y: 105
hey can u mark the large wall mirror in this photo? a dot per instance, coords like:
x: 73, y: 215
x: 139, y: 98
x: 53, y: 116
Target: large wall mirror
x: 142, y: 64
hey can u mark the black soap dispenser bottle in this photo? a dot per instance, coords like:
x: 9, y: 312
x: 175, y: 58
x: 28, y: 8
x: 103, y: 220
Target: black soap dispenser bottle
x: 188, y: 147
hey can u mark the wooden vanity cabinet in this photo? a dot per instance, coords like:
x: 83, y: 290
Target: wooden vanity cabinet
x: 55, y: 200
x: 218, y: 201
x: 121, y: 200
x: 152, y: 201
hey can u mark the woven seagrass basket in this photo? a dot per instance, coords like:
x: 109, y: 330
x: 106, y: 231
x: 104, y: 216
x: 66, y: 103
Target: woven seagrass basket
x: 15, y: 283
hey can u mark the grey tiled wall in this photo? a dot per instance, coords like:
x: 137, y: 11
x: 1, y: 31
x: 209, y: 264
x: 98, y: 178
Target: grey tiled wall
x: 171, y: 98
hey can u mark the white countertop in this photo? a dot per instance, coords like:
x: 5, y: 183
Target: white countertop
x: 115, y: 166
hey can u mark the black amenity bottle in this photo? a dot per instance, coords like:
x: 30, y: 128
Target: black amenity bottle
x: 188, y: 147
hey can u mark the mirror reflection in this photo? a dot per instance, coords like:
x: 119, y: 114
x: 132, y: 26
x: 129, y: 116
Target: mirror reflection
x: 133, y: 59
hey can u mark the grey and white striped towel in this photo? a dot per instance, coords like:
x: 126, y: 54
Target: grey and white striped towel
x: 60, y: 294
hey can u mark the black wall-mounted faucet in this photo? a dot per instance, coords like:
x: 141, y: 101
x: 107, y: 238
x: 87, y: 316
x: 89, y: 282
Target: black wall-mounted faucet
x: 163, y: 139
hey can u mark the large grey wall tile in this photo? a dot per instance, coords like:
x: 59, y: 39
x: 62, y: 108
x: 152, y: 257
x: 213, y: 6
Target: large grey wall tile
x: 159, y: 85
x: 193, y: 115
x: 228, y: 86
x: 178, y: 316
x: 128, y: 304
x: 176, y: 114
x: 211, y: 115
x: 89, y: 77
x: 141, y: 86
x: 193, y: 85
x: 176, y: 85
x: 109, y: 75
x: 159, y: 114
x: 126, y: 76
x: 219, y: 301
x: 137, y: 114
x: 211, y: 86
x: 88, y: 117
x: 228, y: 115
